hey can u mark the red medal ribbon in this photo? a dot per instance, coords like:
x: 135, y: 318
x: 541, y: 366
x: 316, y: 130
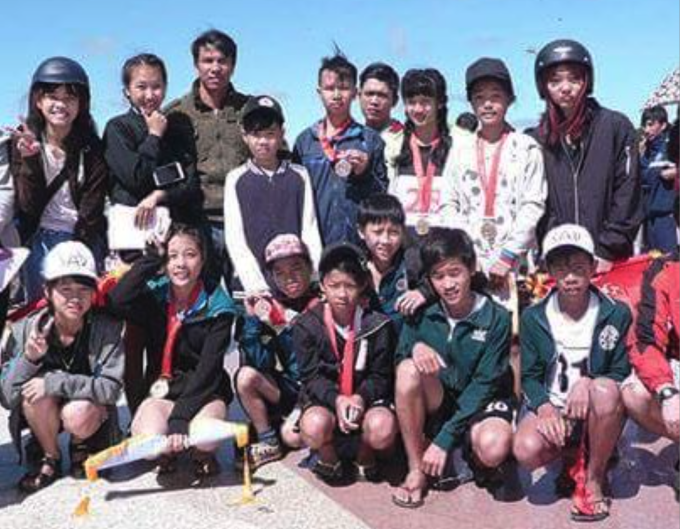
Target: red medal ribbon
x: 347, y: 359
x: 173, y: 325
x: 424, y: 177
x: 489, y: 185
x: 328, y: 143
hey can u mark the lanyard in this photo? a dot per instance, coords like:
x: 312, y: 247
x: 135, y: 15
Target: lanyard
x: 489, y: 185
x: 424, y: 177
x: 328, y: 144
x: 173, y: 326
x: 347, y: 359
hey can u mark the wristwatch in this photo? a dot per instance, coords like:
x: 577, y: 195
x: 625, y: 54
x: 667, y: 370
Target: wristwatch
x: 666, y: 393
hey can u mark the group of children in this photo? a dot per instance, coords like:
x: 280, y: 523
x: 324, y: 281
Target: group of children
x: 369, y: 319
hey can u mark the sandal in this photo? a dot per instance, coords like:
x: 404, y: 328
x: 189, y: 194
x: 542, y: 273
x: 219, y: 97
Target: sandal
x: 415, y: 495
x: 34, y: 481
x: 205, y: 464
x: 589, y: 510
x: 330, y: 473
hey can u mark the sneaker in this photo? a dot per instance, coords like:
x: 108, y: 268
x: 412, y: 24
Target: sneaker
x: 264, y: 452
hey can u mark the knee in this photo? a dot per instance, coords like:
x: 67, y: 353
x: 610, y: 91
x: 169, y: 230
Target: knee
x: 40, y: 407
x: 81, y: 418
x: 527, y: 449
x: 290, y: 437
x: 409, y: 379
x: 317, y: 426
x: 380, y: 430
x: 493, y: 446
x: 605, y: 398
x: 247, y: 380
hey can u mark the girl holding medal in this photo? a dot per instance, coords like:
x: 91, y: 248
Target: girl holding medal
x: 415, y: 160
x: 190, y: 325
x: 345, y: 358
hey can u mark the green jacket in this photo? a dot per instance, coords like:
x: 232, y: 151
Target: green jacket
x: 608, y: 357
x: 477, y: 358
x: 219, y: 144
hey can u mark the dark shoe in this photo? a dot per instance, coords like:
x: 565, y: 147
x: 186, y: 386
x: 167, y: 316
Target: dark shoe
x: 330, y: 473
x: 34, y: 481
x: 78, y: 454
x: 367, y: 473
x: 264, y: 452
x: 167, y: 464
x: 205, y: 464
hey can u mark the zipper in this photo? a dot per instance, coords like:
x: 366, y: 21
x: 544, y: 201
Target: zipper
x: 575, y: 173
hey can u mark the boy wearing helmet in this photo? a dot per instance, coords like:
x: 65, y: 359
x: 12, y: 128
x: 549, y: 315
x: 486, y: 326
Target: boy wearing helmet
x: 66, y: 368
x: 590, y: 152
x: 573, y: 361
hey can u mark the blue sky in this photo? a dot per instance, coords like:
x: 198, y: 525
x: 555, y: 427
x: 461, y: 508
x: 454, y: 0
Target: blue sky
x: 634, y: 44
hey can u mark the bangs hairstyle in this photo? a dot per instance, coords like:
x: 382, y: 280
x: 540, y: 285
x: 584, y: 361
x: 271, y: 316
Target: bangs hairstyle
x: 260, y: 120
x: 340, y: 65
x: 215, y: 39
x: 655, y: 113
x: 430, y: 83
x: 380, y: 208
x: 554, y: 126
x: 194, y: 233
x: 143, y: 59
x: 81, y: 280
x: 83, y: 130
x: 385, y: 74
x: 443, y: 244
x: 348, y: 260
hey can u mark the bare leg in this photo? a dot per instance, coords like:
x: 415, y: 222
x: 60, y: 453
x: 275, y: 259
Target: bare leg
x: 317, y: 426
x: 378, y: 432
x: 491, y: 441
x: 531, y: 449
x: 255, y: 391
x: 645, y: 410
x: 43, y: 417
x: 82, y: 418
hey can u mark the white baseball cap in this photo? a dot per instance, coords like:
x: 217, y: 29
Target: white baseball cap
x: 70, y: 258
x: 571, y: 235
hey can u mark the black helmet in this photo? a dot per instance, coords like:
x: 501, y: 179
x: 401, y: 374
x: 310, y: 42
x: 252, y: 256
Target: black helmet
x: 60, y: 70
x: 561, y: 51
x: 486, y: 68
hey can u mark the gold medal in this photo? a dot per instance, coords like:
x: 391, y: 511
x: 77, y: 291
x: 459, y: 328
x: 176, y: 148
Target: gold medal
x: 489, y: 230
x: 343, y: 168
x: 422, y: 226
x: 263, y: 310
x: 160, y: 388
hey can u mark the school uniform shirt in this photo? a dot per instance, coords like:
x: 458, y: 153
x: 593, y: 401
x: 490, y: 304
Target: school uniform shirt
x: 519, y: 199
x: 133, y: 155
x: 475, y: 352
x: 260, y: 205
x: 337, y: 199
x: 374, y: 341
x: 572, y: 344
x: 541, y: 352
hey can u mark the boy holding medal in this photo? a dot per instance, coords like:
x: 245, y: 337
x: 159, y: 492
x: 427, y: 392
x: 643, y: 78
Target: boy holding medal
x: 496, y: 184
x: 344, y: 159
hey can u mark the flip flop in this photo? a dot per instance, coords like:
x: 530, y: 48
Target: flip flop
x: 591, y: 511
x: 409, y: 502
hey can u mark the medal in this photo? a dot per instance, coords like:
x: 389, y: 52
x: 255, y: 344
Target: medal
x: 422, y: 226
x: 489, y: 230
x: 263, y: 310
x: 343, y: 168
x: 160, y: 389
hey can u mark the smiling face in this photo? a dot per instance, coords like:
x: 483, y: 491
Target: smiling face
x: 376, y: 101
x: 59, y: 108
x: 383, y: 240
x: 214, y: 69
x: 146, y: 89
x: 336, y: 93
x: 292, y: 276
x: 564, y: 84
x: 452, y: 281
x: 490, y: 102
x: 70, y: 298
x: 421, y: 110
x: 184, y: 261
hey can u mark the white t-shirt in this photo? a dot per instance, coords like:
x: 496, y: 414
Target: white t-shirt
x: 477, y: 305
x: 61, y: 213
x: 573, y: 340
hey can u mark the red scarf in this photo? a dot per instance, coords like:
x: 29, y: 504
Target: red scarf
x: 424, y: 177
x: 328, y: 143
x: 347, y: 359
x: 489, y: 185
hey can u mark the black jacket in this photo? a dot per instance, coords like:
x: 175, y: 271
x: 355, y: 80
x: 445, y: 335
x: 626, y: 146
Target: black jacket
x: 320, y: 369
x: 198, y: 376
x: 133, y: 154
x: 600, y: 189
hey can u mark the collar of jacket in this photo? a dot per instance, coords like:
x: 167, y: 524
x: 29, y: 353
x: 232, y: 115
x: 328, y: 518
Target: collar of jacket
x: 371, y: 321
x: 481, y: 318
x: 214, y: 303
x: 200, y: 105
x: 254, y: 168
x: 355, y: 130
x: 607, y: 306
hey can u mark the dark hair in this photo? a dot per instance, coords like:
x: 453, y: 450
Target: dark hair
x: 81, y: 280
x: 83, y: 131
x: 340, y: 65
x: 257, y: 121
x: 383, y: 73
x: 445, y: 243
x: 192, y: 232
x: 565, y: 252
x: 431, y: 83
x: 467, y: 121
x: 655, y: 113
x: 214, y: 38
x: 554, y: 126
x: 346, y: 258
x: 142, y: 59
x: 379, y: 208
